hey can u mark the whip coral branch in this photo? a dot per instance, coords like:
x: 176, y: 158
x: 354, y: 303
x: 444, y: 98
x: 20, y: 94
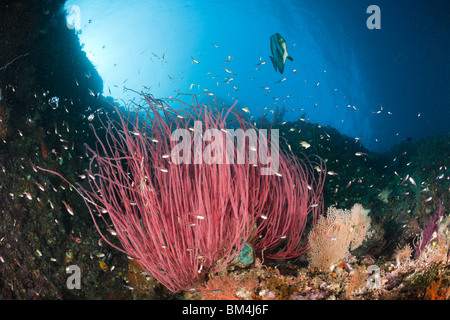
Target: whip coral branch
x: 9, y: 63
x: 183, y: 221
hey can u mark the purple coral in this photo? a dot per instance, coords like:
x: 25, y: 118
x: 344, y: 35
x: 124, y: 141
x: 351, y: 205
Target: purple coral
x: 428, y: 231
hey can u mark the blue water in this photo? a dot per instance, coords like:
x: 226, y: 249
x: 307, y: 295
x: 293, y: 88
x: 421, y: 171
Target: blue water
x: 380, y: 85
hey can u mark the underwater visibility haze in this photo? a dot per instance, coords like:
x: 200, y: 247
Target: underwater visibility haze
x: 342, y: 73
x: 357, y: 92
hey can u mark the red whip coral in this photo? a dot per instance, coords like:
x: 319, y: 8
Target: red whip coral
x: 183, y: 199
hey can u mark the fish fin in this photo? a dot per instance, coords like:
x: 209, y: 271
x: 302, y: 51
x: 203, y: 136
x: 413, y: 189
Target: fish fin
x: 290, y: 58
x: 281, y: 68
x: 274, y: 62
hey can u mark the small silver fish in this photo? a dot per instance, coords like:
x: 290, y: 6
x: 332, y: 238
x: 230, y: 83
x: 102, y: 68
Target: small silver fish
x: 305, y: 144
x: 194, y: 61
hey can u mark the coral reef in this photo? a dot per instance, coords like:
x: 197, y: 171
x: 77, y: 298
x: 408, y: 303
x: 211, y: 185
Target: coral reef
x: 46, y: 114
x: 337, y: 233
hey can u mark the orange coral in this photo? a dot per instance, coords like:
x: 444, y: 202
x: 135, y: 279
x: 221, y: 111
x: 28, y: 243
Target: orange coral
x: 143, y: 285
x: 228, y: 287
x: 44, y: 150
x: 3, y: 131
x: 357, y: 281
x: 3, y: 120
x: 433, y: 291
